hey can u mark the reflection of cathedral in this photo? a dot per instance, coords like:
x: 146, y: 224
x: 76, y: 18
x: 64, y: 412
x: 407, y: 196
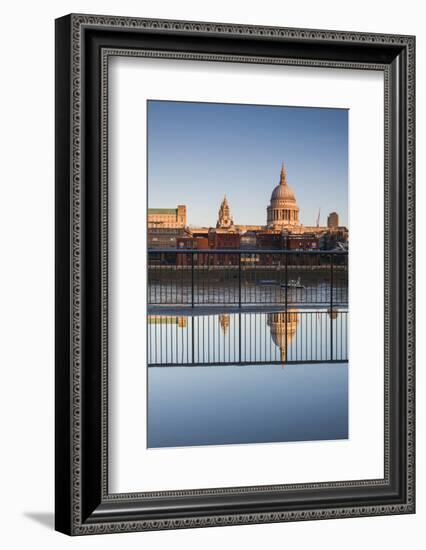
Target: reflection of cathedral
x: 283, y: 327
x: 180, y: 321
x: 332, y: 313
x: 224, y: 321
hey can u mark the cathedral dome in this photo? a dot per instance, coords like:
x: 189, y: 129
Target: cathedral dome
x: 283, y: 192
x: 283, y: 211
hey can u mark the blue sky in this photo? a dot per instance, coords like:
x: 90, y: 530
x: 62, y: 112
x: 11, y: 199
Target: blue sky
x: 197, y: 152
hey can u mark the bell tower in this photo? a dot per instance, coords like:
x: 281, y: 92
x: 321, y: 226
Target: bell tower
x: 224, y: 220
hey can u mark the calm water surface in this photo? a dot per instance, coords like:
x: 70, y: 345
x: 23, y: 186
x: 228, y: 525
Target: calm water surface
x: 250, y: 403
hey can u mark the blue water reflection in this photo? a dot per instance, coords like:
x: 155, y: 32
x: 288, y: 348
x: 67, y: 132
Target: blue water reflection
x: 255, y: 403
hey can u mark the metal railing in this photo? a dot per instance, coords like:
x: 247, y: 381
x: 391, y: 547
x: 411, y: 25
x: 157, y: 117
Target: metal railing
x: 284, y: 337
x: 247, y: 277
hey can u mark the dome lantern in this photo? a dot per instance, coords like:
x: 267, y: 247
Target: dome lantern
x: 283, y: 179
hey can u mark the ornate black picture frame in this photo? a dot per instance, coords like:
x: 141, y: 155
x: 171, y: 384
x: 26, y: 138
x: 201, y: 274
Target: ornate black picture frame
x: 83, y: 45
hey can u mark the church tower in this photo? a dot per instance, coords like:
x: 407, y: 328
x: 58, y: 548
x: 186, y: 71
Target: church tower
x: 224, y: 220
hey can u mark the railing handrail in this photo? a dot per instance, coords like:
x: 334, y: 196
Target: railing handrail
x: 245, y: 264
x: 245, y: 251
x: 316, y: 337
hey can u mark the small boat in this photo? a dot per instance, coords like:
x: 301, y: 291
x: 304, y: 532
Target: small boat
x: 267, y: 282
x: 292, y: 283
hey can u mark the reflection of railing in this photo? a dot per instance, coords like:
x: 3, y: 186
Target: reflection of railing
x: 240, y: 277
x: 248, y: 338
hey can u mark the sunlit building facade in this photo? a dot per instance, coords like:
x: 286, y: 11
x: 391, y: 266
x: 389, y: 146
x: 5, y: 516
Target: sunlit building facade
x: 167, y: 217
x: 282, y: 230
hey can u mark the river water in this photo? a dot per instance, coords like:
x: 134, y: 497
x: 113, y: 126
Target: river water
x: 247, y: 378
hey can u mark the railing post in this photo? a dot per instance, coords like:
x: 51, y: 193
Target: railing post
x: 192, y: 339
x: 286, y: 303
x: 286, y: 278
x: 331, y: 307
x: 192, y: 279
x: 239, y: 279
x: 239, y: 338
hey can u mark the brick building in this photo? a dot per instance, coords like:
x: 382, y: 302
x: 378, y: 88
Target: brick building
x: 167, y: 217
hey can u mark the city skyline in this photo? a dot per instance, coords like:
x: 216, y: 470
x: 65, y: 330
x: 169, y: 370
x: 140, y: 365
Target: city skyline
x: 199, y: 152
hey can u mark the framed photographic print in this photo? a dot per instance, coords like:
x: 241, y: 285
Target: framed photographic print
x: 234, y: 274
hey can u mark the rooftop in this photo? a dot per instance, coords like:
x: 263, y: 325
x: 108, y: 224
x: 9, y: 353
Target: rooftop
x: 161, y: 210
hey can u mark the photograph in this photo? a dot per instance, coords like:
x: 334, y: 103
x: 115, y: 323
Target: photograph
x: 247, y: 247
x: 234, y: 273
x: 209, y: 286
